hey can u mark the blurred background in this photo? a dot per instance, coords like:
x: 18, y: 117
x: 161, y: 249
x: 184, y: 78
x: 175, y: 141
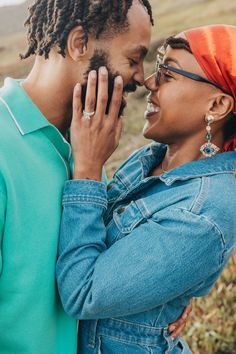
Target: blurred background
x: 212, y: 327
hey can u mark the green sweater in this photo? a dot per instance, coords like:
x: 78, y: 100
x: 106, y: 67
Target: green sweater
x: 34, y: 164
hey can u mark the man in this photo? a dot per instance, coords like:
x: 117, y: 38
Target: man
x: 68, y: 38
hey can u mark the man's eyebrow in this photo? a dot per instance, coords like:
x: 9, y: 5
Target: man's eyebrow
x: 169, y: 59
x: 141, y: 50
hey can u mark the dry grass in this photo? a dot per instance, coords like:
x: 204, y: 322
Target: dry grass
x: 213, y: 326
x: 212, y: 329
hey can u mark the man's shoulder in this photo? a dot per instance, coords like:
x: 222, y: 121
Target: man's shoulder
x: 4, y: 113
x: 6, y: 120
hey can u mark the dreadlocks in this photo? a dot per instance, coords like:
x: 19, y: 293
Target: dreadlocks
x: 50, y: 21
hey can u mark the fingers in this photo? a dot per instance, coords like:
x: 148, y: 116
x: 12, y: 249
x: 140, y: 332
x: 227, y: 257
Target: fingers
x: 119, y: 125
x: 187, y: 311
x: 90, y: 101
x: 77, y: 104
x: 178, y: 326
x: 100, y: 102
x: 102, y: 92
x: 179, y: 331
x: 116, y: 98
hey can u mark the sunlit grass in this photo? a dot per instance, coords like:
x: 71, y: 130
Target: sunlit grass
x: 212, y: 329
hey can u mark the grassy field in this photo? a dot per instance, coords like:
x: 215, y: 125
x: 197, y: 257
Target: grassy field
x: 212, y: 328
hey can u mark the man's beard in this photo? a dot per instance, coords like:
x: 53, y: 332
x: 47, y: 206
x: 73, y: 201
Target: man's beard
x: 101, y: 58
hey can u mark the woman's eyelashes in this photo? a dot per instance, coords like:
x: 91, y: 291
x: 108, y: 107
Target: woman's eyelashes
x: 167, y: 75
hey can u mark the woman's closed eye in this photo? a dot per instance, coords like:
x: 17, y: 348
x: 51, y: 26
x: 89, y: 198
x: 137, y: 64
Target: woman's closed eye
x: 167, y: 75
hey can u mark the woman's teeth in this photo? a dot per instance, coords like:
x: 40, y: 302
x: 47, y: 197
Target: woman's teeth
x: 152, y: 108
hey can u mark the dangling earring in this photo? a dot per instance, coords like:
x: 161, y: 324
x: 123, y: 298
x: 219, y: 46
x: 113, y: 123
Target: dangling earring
x: 209, y: 149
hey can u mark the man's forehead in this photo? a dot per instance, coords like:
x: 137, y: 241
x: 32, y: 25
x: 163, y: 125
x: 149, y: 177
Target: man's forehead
x: 139, y: 22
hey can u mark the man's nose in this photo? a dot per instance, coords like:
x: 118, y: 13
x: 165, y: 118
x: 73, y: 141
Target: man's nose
x: 139, y: 76
x: 150, y: 83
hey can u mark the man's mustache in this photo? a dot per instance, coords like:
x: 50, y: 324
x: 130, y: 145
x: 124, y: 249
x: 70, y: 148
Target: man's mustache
x: 132, y: 87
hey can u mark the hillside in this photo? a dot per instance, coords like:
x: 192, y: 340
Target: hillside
x: 12, y: 18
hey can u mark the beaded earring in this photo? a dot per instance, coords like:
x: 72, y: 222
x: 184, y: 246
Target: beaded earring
x: 209, y: 149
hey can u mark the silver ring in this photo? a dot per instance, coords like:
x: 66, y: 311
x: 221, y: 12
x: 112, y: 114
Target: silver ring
x: 88, y: 115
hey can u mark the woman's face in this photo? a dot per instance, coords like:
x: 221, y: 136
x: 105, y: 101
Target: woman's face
x: 178, y: 105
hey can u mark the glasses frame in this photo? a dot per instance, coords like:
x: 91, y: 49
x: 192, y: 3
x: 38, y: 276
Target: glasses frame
x: 187, y: 74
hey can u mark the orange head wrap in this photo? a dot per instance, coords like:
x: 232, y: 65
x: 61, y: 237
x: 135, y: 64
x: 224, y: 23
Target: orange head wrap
x: 214, y: 47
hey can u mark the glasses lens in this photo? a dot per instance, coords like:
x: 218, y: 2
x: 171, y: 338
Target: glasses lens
x: 158, y: 69
x: 157, y: 76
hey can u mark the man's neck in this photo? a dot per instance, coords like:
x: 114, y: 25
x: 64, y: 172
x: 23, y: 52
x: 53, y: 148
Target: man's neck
x: 52, y: 95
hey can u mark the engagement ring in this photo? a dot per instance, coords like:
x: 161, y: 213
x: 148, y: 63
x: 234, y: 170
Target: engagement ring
x: 88, y: 115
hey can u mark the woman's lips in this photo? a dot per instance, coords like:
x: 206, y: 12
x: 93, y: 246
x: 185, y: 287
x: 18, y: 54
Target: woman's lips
x: 152, y: 109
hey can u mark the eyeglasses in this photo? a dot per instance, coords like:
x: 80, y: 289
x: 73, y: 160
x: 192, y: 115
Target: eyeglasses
x: 161, y: 70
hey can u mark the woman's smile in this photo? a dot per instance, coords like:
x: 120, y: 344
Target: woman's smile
x: 152, y: 109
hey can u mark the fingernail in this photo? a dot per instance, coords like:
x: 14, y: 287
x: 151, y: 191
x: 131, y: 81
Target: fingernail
x: 78, y: 86
x: 103, y: 70
x: 172, y: 328
x: 93, y: 74
x: 119, y: 80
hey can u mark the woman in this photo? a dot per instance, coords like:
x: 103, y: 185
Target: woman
x: 131, y: 257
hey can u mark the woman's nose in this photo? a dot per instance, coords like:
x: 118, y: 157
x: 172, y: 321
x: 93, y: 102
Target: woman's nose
x: 150, y: 83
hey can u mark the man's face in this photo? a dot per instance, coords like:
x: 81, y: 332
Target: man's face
x: 124, y: 54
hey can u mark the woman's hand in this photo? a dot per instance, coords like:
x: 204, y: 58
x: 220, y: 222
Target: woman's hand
x: 176, y: 328
x: 94, y: 140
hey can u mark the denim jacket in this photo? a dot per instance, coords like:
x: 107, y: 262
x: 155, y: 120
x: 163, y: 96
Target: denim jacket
x: 132, y: 255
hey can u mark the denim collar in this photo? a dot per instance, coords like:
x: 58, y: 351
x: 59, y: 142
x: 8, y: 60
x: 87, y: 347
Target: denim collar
x: 221, y: 163
x: 25, y: 114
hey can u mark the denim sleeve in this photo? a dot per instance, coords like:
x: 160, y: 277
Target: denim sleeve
x: 161, y: 259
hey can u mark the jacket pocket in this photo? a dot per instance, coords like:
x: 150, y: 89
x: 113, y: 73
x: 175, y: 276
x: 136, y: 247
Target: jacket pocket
x: 128, y: 217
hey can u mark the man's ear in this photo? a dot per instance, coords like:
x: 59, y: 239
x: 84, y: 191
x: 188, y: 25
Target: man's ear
x: 76, y: 43
x: 222, y: 105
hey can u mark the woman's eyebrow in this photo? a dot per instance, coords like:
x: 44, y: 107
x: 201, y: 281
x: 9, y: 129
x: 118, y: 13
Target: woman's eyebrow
x: 169, y: 60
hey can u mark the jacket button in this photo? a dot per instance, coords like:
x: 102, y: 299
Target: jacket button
x: 109, y: 187
x: 120, y: 211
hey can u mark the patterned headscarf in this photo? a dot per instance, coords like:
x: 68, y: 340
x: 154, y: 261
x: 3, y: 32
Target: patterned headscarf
x: 214, y: 47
